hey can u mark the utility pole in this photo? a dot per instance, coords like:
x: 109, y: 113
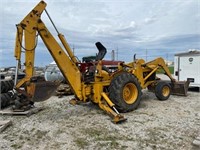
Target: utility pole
x: 113, y: 55
x: 167, y: 56
x: 73, y: 49
x: 146, y: 55
x: 117, y: 52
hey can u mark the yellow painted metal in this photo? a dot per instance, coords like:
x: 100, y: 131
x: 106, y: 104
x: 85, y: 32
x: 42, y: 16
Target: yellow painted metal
x: 159, y: 62
x: 33, y: 16
x: 165, y: 91
x: 144, y: 70
x: 130, y: 93
x: 148, y: 83
x: 153, y: 71
x: 137, y: 70
x: 100, y: 74
x: 97, y: 89
x: 22, y: 82
x: 32, y: 25
x: 67, y: 48
x: 30, y: 52
x: 110, y: 103
x: 18, y: 42
x: 28, y: 26
x: 116, y: 117
x: 68, y: 68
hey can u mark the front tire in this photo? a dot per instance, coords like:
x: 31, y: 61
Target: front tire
x: 125, y: 92
x: 162, y: 91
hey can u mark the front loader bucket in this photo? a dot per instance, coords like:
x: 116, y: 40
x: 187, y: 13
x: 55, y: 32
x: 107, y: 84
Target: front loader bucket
x: 44, y: 90
x: 179, y: 88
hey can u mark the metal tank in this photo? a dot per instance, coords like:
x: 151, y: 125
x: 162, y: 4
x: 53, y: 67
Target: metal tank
x: 52, y: 73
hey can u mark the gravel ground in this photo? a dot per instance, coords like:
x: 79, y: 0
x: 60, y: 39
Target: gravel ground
x: 171, y: 124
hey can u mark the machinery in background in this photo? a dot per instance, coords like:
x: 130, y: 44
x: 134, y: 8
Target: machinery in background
x: 53, y: 73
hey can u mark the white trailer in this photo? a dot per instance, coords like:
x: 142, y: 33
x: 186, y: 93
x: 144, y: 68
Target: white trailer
x: 187, y: 67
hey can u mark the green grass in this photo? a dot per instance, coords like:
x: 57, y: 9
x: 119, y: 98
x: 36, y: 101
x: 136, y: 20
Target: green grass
x: 81, y: 142
x: 171, y: 69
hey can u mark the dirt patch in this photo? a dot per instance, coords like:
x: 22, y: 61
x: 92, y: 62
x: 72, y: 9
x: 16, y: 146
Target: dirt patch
x: 171, y: 124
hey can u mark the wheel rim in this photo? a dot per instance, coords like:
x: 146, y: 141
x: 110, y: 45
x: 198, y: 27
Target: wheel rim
x: 130, y: 93
x: 165, y: 91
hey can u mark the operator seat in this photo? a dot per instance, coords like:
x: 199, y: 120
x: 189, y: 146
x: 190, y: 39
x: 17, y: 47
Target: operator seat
x: 102, y: 51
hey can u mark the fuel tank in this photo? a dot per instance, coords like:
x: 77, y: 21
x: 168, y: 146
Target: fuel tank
x: 52, y: 73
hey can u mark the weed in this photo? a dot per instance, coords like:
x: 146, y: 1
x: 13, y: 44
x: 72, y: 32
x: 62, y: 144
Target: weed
x: 81, y: 142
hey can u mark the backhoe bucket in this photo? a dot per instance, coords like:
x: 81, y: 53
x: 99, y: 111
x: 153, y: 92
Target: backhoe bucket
x: 179, y: 88
x: 44, y: 90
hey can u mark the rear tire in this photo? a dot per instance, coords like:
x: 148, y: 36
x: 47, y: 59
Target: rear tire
x: 7, y: 99
x: 162, y: 91
x: 6, y: 85
x: 125, y: 92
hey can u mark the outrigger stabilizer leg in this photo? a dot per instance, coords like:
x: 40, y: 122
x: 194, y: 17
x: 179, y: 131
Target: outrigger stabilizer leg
x: 106, y: 105
x: 109, y: 107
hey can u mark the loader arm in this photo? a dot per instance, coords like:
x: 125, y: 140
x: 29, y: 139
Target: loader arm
x: 159, y: 63
x: 177, y: 87
x: 31, y: 27
x: 146, y: 75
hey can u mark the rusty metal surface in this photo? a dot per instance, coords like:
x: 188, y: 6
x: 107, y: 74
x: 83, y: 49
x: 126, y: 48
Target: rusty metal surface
x: 180, y: 88
x: 44, y: 90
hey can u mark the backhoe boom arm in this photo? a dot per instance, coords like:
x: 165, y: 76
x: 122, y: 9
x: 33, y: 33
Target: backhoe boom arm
x: 32, y: 26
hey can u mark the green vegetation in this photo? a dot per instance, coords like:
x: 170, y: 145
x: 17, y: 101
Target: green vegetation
x: 81, y: 142
x: 103, y: 138
x: 171, y: 69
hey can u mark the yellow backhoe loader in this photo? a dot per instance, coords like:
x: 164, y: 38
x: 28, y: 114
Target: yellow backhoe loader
x: 114, y: 92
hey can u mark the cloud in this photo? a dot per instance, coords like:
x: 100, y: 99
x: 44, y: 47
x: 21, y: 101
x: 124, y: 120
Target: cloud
x: 124, y: 29
x: 181, y: 42
x: 129, y: 26
x: 150, y: 20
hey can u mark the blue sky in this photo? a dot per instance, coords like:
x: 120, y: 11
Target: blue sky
x: 152, y: 27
